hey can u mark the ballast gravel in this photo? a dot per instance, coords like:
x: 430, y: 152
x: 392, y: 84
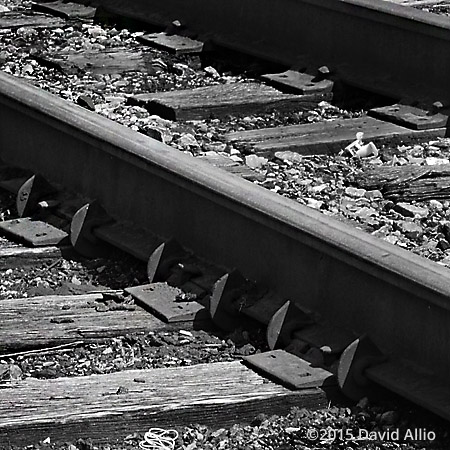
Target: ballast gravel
x: 319, y: 182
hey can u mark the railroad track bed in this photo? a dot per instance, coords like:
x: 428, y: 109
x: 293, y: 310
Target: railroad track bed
x: 93, y: 345
x: 279, y: 159
x: 441, y: 7
x: 399, y: 195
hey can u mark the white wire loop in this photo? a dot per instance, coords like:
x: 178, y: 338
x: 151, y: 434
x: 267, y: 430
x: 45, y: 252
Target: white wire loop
x: 159, y: 439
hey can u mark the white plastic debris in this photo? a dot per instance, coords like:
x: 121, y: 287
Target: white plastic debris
x: 158, y: 438
x: 358, y: 149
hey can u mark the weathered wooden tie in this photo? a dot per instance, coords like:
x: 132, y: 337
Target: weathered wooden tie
x: 66, y: 10
x: 409, y: 182
x: 222, y: 100
x: 109, y: 61
x: 14, y: 255
x: 13, y: 19
x: 118, y: 404
x: 326, y: 137
x: 53, y: 320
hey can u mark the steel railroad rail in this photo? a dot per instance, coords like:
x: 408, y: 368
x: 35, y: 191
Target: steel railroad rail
x: 380, y: 46
x: 353, y: 280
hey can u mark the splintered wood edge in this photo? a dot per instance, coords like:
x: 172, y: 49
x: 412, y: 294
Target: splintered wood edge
x: 217, y: 394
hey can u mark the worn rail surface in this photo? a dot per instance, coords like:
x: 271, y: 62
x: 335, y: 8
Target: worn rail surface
x: 396, y: 50
x: 352, y: 279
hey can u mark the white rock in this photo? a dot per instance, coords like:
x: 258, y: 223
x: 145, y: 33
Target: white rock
x: 212, y: 72
x: 391, y: 239
x: 410, y: 229
x: 313, y: 203
x: 436, y: 204
x: 188, y: 140
x: 373, y: 195
x: 186, y: 333
x: 96, y: 30
x: 432, y: 161
x: 354, y: 192
x: 318, y: 188
x: 289, y: 156
x: 255, y: 161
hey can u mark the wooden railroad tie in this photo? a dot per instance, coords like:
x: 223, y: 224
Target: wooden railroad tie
x: 222, y: 100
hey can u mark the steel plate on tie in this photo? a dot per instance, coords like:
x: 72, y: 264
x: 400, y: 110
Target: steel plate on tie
x: 290, y: 370
x: 167, y: 302
x: 172, y: 43
x: 410, y: 117
x: 34, y: 232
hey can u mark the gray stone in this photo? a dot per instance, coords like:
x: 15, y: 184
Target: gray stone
x: 354, y: 192
x: 408, y: 210
x: 373, y: 195
x: 443, y: 244
x: 436, y: 204
x: 410, y: 229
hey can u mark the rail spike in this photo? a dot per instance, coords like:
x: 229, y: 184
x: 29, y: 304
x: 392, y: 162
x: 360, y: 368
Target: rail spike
x: 30, y: 193
x: 82, y: 230
x: 221, y: 303
x: 356, y: 358
x: 162, y: 259
x: 284, y: 322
